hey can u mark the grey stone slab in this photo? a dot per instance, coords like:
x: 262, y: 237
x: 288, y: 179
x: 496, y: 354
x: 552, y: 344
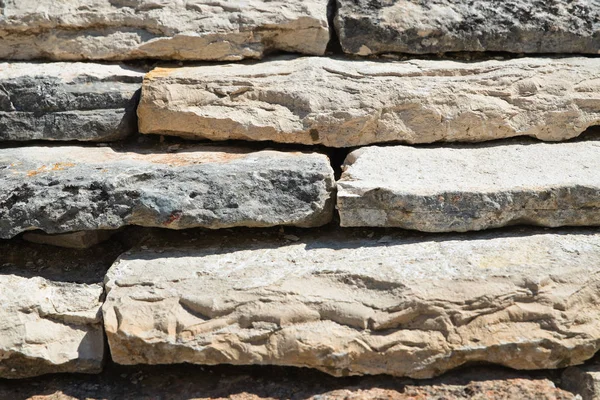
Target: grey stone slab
x: 72, y: 188
x: 440, y: 26
x: 472, y: 187
x: 68, y: 101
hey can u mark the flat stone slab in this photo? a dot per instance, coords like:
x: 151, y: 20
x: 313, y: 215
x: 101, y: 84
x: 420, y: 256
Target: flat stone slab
x: 67, y: 101
x: 49, y: 327
x: 174, y: 30
x: 71, y: 188
x: 345, y: 103
x: 440, y: 26
x: 350, y: 304
x: 471, y: 188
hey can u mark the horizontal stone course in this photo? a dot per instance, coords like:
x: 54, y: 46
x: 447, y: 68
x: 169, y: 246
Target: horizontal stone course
x: 49, y: 327
x: 346, y: 103
x: 68, y: 101
x: 471, y: 188
x: 72, y: 188
x: 357, y: 303
x: 440, y: 26
x: 167, y: 30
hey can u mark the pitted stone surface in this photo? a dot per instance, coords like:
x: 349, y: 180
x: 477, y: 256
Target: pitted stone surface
x: 67, y: 101
x: 472, y: 187
x: 71, y: 188
x: 177, y: 30
x: 48, y: 327
x: 345, y: 103
x: 351, y: 304
x: 440, y: 26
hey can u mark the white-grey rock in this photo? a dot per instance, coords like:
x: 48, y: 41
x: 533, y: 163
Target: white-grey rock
x: 68, y: 101
x: 73, y: 240
x: 345, y: 103
x: 49, y: 327
x: 369, y: 27
x: 473, y: 187
x: 161, y: 29
x: 72, y: 188
x: 347, y: 304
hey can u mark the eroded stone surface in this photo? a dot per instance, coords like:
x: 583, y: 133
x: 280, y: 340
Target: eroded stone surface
x: 67, y: 101
x: 49, y: 327
x: 179, y: 30
x: 439, y: 26
x: 344, y: 103
x: 472, y: 187
x: 71, y: 188
x: 348, y: 304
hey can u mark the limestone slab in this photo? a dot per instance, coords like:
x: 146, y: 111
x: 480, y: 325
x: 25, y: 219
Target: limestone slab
x: 68, y: 101
x: 440, y: 26
x: 174, y: 30
x: 72, y: 188
x: 350, y: 304
x: 49, y: 327
x: 472, y: 187
x: 345, y: 103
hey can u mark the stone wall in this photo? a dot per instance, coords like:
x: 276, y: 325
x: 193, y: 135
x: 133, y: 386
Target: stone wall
x: 173, y: 186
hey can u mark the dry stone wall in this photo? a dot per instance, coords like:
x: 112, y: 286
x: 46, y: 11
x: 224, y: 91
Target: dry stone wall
x: 118, y: 153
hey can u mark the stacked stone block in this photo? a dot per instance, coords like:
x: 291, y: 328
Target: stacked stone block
x: 94, y: 141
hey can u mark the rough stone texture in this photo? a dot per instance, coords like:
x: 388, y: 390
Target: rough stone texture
x: 344, y: 103
x: 67, y: 101
x: 584, y: 381
x: 72, y: 240
x: 369, y: 27
x: 471, y: 188
x: 48, y: 327
x: 178, y: 30
x: 350, y: 305
x: 63, y: 189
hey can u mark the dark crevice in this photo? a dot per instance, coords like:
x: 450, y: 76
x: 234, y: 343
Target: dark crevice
x: 334, y: 46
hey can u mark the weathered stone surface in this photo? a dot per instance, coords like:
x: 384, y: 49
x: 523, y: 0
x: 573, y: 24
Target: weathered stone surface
x: 344, y: 103
x: 348, y: 304
x: 48, y: 327
x: 472, y: 188
x: 70, y: 188
x: 67, y: 101
x: 584, y: 381
x: 439, y: 26
x: 72, y: 240
x: 178, y: 30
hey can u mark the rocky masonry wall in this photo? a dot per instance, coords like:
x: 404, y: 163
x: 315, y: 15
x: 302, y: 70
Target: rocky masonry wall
x: 126, y: 123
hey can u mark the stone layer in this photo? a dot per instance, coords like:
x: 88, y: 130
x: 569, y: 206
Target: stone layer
x: 347, y: 304
x: 440, y: 26
x: 68, y: 101
x: 471, y: 188
x: 49, y: 327
x: 70, y: 188
x: 345, y: 103
x: 166, y: 30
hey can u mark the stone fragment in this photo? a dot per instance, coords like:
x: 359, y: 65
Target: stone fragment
x: 346, y: 304
x: 584, y: 381
x: 49, y: 327
x: 473, y: 187
x: 71, y: 188
x: 440, y: 26
x: 73, y: 240
x: 345, y: 103
x: 67, y: 101
x: 167, y: 30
